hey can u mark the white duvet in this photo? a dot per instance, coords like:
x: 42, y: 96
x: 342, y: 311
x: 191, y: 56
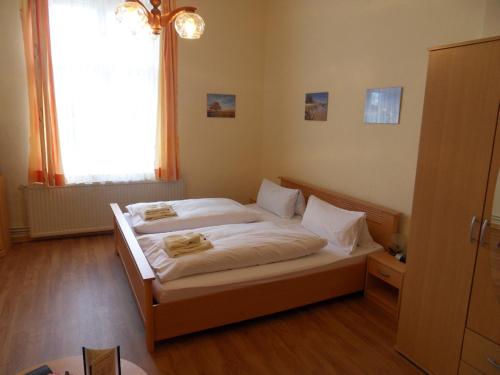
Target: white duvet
x: 194, y: 213
x: 235, y: 246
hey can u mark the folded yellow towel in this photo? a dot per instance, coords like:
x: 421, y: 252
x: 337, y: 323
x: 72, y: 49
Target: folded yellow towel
x: 175, y: 241
x: 158, y: 215
x: 177, y: 245
x: 157, y: 211
x: 202, y: 246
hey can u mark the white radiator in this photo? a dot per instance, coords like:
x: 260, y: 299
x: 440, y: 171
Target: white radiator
x: 56, y: 211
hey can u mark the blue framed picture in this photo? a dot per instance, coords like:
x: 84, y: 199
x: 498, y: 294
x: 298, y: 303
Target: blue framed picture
x: 382, y: 105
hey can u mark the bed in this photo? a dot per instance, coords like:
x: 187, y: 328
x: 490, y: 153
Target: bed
x: 173, y: 308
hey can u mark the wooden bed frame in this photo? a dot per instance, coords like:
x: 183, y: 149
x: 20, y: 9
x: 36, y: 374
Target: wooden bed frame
x: 166, y: 320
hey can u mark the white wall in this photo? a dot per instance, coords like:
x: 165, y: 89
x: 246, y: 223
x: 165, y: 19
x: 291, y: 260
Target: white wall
x: 270, y: 53
x: 345, y: 47
x: 491, y: 25
x: 222, y: 156
x: 14, y: 116
x: 219, y: 157
x: 495, y: 212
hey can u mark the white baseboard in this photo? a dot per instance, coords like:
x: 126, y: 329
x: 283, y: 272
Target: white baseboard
x: 495, y: 218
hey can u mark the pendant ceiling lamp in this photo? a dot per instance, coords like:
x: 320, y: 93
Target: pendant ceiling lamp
x: 136, y: 16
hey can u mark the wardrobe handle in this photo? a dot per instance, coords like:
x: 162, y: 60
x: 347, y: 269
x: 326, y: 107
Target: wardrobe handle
x: 494, y: 363
x: 471, y: 229
x: 484, y: 227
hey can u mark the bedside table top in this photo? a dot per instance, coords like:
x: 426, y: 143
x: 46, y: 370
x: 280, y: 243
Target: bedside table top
x: 388, y: 260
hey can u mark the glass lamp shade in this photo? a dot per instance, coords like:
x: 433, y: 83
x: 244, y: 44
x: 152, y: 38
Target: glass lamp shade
x: 133, y: 16
x: 189, y: 25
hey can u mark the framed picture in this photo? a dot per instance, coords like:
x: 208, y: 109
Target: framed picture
x: 382, y: 106
x: 101, y: 361
x: 316, y: 106
x: 221, y: 105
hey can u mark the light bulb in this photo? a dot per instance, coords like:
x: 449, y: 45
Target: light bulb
x: 189, y: 25
x: 132, y: 15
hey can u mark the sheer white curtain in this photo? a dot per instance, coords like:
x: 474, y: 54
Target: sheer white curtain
x: 106, y: 86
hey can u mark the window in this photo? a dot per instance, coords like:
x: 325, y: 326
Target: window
x: 106, y: 85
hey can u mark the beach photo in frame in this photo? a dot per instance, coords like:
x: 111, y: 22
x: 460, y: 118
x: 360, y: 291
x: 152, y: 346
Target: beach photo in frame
x: 316, y: 106
x: 221, y: 105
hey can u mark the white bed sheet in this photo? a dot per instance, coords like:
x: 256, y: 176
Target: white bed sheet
x: 326, y: 259
x: 264, y: 216
x: 193, y: 213
x: 234, y: 246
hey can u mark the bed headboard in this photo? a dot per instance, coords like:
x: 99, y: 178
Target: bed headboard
x: 382, y: 222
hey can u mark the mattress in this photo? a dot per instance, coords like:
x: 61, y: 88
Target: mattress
x: 328, y: 258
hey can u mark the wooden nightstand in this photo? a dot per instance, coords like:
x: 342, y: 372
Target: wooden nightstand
x: 384, y: 281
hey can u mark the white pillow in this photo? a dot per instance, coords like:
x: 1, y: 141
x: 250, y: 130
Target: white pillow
x: 338, y: 226
x: 365, y: 238
x: 277, y: 199
x: 300, y: 205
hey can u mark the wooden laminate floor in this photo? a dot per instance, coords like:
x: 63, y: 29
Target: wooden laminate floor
x: 58, y: 295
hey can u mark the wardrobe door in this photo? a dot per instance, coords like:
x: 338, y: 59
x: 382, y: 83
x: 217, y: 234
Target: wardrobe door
x: 456, y: 142
x: 484, y: 310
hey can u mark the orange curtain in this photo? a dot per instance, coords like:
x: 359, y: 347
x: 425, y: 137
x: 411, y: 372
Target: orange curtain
x: 44, y: 153
x: 167, y: 142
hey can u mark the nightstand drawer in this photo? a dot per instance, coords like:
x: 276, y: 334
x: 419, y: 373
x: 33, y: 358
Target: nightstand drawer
x: 385, y: 273
x: 481, y: 353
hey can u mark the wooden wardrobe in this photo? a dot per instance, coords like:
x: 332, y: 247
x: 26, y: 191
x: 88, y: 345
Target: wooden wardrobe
x: 450, y: 311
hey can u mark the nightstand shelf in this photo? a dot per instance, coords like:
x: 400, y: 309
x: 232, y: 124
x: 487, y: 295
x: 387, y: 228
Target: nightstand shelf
x: 384, y: 281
